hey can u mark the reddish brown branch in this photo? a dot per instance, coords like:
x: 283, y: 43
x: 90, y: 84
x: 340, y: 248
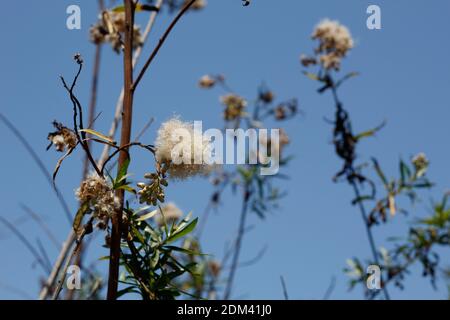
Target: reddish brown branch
x: 116, y: 235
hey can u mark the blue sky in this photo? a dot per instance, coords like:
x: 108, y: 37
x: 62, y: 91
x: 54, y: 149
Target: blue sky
x: 405, y: 76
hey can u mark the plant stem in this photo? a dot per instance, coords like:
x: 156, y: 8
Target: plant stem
x: 353, y: 183
x: 119, y: 105
x: 125, y: 139
x: 238, y: 245
x: 369, y: 233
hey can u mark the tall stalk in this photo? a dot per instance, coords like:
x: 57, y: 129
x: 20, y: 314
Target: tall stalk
x: 125, y: 140
x: 238, y: 244
x: 352, y: 181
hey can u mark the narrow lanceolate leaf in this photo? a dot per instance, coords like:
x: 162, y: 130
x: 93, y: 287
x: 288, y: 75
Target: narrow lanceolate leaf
x: 122, y: 174
x: 79, y: 216
x: 99, y: 135
x: 370, y: 133
x: 183, y: 232
x: 380, y: 173
x: 312, y: 76
x: 185, y: 251
x: 147, y: 216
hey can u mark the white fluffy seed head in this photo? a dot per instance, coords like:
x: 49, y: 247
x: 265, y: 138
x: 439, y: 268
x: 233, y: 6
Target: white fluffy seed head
x: 183, y: 148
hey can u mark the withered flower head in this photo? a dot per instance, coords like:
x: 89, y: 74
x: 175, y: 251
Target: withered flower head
x: 421, y: 164
x: 207, y: 82
x: 234, y: 106
x: 63, y: 138
x: 98, y: 193
x: 110, y: 27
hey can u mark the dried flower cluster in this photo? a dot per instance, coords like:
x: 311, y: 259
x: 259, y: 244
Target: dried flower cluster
x: 234, y: 106
x: 335, y: 41
x: 177, y: 140
x: 63, y: 138
x: 286, y: 110
x: 267, y: 144
x: 207, y: 82
x: 420, y: 163
x: 110, y: 27
x: 197, y: 5
x: 98, y: 193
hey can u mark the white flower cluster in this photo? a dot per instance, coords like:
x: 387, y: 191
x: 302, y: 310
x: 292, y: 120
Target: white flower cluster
x: 99, y: 194
x: 178, y: 145
x: 110, y: 28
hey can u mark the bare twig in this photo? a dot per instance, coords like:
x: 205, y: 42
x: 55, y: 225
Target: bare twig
x: 238, y: 245
x: 119, y: 104
x: 330, y: 289
x: 47, y: 287
x: 93, y: 102
x: 283, y: 285
x: 68, y: 260
x: 160, y: 44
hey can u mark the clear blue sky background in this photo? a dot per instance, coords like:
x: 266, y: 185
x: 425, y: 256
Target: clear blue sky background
x: 405, y: 76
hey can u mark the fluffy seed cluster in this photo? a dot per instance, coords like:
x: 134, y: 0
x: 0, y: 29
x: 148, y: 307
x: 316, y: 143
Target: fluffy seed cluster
x: 234, y: 106
x: 335, y: 41
x: 96, y: 191
x: 420, y: 163
x: 110, y: 28
x: 63, y: 138
x: 168, y: 140
x: 171, y: 214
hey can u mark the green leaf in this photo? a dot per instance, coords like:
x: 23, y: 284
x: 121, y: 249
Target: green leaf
x: 126, y: 188
x: 312, y: 76
x: 405, y: 172
x: 346, y: 77
x: 98, y: 134
x: 147, y: 216
x: 182, y: 232
x: 369, y: 133
x: 79, y: 216
x: 122, y: 174
x: 380, y: 173
x: 186, y: 251
x: 155, y: 259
